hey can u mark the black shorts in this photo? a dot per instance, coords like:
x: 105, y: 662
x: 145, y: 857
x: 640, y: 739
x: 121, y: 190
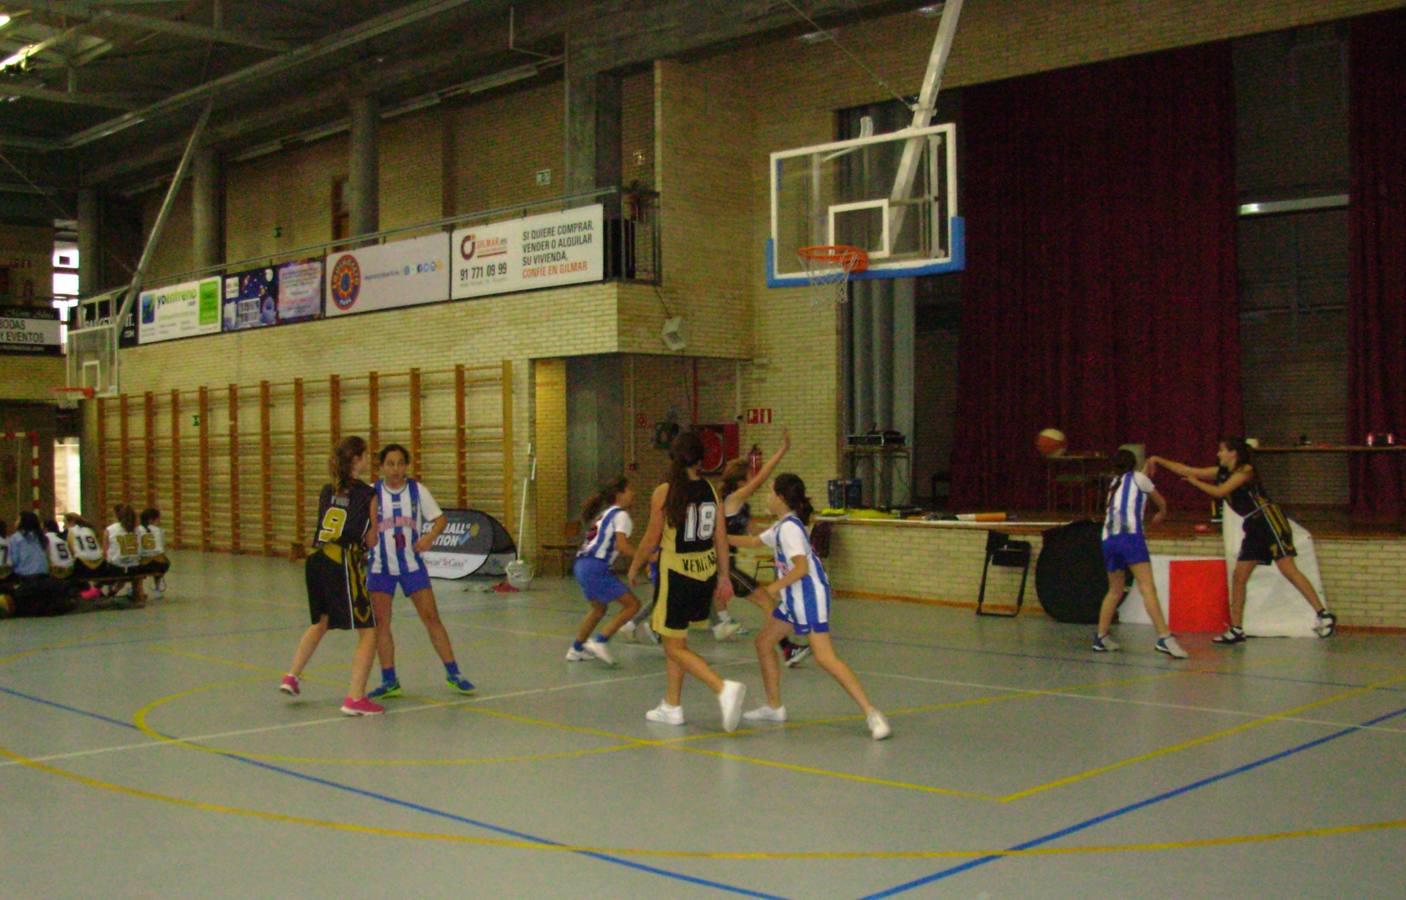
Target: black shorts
x: 680, y: 601
x: 1268, y: 537
x: 336, y: 579
x: 155, y: 565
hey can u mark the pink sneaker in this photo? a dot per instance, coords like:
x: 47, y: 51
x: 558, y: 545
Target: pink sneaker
x: 362, y: 707
x: 91, y: 593
x: 290, y: 685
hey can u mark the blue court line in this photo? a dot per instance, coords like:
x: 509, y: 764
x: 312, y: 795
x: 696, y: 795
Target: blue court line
x: 1133, y: 807
x: 421, y: 808
x: 1084, y: 660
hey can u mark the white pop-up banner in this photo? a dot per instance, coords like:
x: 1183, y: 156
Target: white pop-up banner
x: 402, y: 273
x: 536, y: 252
x: 179, y: 311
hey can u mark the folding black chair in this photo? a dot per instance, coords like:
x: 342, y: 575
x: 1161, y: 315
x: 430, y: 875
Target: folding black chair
x: 1004, y: 552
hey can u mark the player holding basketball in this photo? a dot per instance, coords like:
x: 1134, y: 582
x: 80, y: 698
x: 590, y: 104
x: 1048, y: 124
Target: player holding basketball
x: 1268, y: 537
x: 336, y: 575
x: 693, y: 572
x: 804, y: 607
x: 403, y: 506
x: 1125, y: 547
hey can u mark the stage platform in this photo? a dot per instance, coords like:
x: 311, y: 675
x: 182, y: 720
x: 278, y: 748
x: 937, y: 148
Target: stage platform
x: 1363, y: 564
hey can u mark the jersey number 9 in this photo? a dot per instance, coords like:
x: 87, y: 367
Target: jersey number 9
x: 333, y: 521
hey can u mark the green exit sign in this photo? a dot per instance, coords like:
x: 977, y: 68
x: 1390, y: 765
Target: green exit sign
x: 195, y: 421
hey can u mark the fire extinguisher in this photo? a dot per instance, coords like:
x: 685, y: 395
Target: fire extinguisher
x: 754, y: 461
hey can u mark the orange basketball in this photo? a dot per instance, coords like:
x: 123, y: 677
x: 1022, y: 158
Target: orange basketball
x: 1050, y: 442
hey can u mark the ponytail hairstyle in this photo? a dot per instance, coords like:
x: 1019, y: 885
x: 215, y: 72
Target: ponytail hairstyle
x: 734, y: 475
x: 1123, y: 462
x: 685, y: 452
x: 344, y: 460
x: 150, y: 515
x: 1240, y: 448
x: 603, y: 498
x: 71, y: 519
x: 127, y: 518
x: 792, y: 491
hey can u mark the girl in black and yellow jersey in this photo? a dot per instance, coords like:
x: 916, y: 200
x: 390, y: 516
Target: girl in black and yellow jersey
x: 1268, y: 536
x: 336, y: 575
x: 685, y: 524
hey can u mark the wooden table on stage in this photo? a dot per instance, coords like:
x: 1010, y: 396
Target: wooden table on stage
x: 1082, y: 471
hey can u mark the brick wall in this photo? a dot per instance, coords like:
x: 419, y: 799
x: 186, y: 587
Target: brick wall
x: 886, y: 559
x: 24, y: 377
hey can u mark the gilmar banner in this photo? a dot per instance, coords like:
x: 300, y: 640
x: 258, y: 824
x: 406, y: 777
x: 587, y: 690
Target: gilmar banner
x: 29, y: 329
x: 179, y: 311
x: 403, y: 273
x: 524, y: 254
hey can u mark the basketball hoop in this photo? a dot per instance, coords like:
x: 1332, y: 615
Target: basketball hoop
x: 68, y: 397
x: 828, y: 267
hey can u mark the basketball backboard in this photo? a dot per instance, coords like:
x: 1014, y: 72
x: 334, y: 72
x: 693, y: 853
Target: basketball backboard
x: 893, y: 195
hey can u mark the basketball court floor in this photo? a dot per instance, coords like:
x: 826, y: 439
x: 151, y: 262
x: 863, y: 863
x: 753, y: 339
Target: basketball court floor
x: 148, y: 752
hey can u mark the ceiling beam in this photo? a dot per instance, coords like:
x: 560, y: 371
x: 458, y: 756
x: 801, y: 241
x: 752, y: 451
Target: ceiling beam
x: 155, y: 23
x: 258, y: 74
x: 72, y: 98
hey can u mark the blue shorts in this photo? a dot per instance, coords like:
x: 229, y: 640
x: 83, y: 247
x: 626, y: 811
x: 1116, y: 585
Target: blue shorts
x: 815, y: 612
x: 1123, y: 550
x: 409, y: 582
x: 598, y: 583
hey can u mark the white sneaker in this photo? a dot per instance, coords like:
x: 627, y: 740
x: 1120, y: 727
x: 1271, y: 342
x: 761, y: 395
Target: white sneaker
x: 665, y: 714
x: 1169, y: 646
x: 627, y: 631
x: 730, y: 702
x: 726, y: 629
x: 766, y: 714
x: 574, y: 655
x: 598, y: 648
x: 646, y: 634
x: 878, y: 725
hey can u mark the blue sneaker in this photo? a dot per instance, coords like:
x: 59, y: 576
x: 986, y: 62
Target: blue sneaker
x: 389, y: 689
x: 460, y: 684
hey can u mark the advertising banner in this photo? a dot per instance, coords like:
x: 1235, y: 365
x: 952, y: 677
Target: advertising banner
x: 300, y: 290
x: 251, y: 299
x: 472, y: 542
x: 91, y: 315
x: 403, y: 273
x: 179, y: 311
x: 523, y: 254
x: 28, y: 329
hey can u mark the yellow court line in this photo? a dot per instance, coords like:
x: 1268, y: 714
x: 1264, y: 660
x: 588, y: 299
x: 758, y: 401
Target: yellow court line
x: 1198, y: 741
x: 683, y: 854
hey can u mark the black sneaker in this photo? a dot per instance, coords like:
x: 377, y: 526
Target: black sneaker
x: 1325, y: 626
x: 1232, y: 635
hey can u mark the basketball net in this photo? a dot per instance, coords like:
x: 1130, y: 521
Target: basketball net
x: 828, y: 268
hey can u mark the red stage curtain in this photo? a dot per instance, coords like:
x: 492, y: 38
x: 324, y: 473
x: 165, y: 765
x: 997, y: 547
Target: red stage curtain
x: 1100, y: 291
x: 1377, y: 244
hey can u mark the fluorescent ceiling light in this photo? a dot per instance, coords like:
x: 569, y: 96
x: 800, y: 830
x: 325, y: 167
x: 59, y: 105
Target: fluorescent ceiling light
x: 4, y: 20
x: 930, y: 10
x: 816, y: 37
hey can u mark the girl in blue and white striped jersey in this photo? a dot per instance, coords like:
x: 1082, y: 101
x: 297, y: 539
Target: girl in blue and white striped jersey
x: 1125, y: 548
x: 804, y: 607
x: 404, y: 506
x: 607, y: 539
